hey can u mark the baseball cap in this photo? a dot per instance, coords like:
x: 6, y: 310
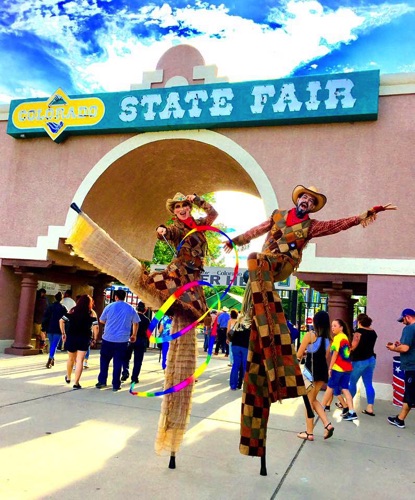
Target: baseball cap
x: 406, y: 312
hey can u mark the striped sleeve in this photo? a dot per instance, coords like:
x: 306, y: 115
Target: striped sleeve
x: 324, y: 228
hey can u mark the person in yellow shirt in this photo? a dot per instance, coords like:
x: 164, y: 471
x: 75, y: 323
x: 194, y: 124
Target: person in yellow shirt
x: 340, y: 368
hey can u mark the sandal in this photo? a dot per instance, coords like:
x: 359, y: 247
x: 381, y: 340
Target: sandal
x: 329, y: 431
x: 306, y: 436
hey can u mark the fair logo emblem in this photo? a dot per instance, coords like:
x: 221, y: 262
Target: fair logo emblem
x: 58, y: 113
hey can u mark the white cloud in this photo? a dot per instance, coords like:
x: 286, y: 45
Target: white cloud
x: 244, y: 50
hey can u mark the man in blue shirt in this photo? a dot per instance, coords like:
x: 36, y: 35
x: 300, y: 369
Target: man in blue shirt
x: 406, y: 349
x: 118, y: 318
x: 221, y: 343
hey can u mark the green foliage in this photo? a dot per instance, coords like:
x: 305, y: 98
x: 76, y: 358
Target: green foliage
x: 237, y: 290
x: 163, y: 254
x: 301, y: 284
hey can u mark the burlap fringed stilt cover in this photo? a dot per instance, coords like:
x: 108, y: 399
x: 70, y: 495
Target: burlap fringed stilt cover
x: 272, y: 372
x: 94, y: 245
x: 97, y: 247
x: 176, y: 407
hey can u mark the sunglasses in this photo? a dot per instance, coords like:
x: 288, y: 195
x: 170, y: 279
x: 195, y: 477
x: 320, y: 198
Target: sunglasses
x: 181, y: 205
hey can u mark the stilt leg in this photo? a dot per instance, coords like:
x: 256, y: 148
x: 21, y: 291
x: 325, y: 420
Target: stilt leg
x: 172, y: 463
x: 263, y: 471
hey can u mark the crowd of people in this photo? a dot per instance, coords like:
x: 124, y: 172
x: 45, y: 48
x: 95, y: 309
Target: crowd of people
x: 334, y: 358
x: 257, y: 341
x: 337, y: 359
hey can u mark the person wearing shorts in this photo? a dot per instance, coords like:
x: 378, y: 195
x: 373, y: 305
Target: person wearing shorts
x: 340, y: 368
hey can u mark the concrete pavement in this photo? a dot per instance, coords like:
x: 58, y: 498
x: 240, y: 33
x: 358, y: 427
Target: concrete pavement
x: 56, y: 443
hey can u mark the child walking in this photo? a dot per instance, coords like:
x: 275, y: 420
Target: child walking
x: 340, y: 368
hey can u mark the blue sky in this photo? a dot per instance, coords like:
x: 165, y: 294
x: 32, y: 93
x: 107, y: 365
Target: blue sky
x: 87, y: 46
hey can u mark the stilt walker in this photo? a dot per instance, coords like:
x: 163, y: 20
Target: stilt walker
x: 94, y: 245
x: 273, y: 372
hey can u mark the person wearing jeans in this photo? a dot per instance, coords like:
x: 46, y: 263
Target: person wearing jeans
x: 115, y: 351
x: 50, y: 325
x: 118, y: 318
x: 223, y: 319
x: 139, y: 347
x: 364, y: 360
x: 240, y: 343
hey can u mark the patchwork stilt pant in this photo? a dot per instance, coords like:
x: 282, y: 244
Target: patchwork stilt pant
x: 273, y: 372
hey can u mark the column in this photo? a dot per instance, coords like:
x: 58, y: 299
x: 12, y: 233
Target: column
x: 340, y: 305
x: 24, y: 325
x: 99, y: 297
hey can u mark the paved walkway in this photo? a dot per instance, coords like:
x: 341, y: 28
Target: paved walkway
x: 63, y: 444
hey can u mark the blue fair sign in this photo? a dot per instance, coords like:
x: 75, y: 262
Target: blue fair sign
x: 317, y: 99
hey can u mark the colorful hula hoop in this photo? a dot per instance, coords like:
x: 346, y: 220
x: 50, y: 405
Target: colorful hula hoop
x: 164, y: 308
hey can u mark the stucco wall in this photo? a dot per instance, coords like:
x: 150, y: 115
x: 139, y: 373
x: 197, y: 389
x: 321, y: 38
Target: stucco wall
x: 356, y: 164
x: 39, y: 180
x: 389, y: 295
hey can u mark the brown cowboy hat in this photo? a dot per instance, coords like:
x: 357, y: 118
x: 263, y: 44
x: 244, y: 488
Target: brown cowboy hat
x: 312, y: 191
x: 177, y: 198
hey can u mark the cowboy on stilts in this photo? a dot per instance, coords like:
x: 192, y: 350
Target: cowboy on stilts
x: 273, y: 372
x: 94, y: 245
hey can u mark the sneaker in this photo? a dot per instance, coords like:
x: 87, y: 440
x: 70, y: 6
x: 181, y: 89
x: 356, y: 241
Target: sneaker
x: 124, y: 378
x: 77, y: 386
x: 397, y: 421
x: 100, y: 386
x: 115, y: 389
x: 86, y: 364
x: 350, y: 416
x: 345, y: 411
x: 134, y: 381
x: 327, y: 408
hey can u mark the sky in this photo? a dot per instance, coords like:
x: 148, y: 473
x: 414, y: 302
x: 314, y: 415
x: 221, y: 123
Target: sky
x: 91, y: 46
x: 250, y: 212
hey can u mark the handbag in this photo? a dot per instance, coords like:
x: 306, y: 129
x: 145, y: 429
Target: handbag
x: 308, y: 378
x: 307, y: 374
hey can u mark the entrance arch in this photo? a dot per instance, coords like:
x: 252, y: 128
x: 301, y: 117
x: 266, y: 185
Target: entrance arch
x: 126, y: 191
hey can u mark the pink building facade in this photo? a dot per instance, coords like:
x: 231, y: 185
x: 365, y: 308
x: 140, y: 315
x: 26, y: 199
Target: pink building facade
x: 123, y: 179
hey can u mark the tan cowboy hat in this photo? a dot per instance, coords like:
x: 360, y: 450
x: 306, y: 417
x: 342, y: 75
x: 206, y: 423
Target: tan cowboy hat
x: 312, y: 191
x: 178, y: 197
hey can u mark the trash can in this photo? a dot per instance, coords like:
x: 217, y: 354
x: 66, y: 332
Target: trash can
x: 398, y: 382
